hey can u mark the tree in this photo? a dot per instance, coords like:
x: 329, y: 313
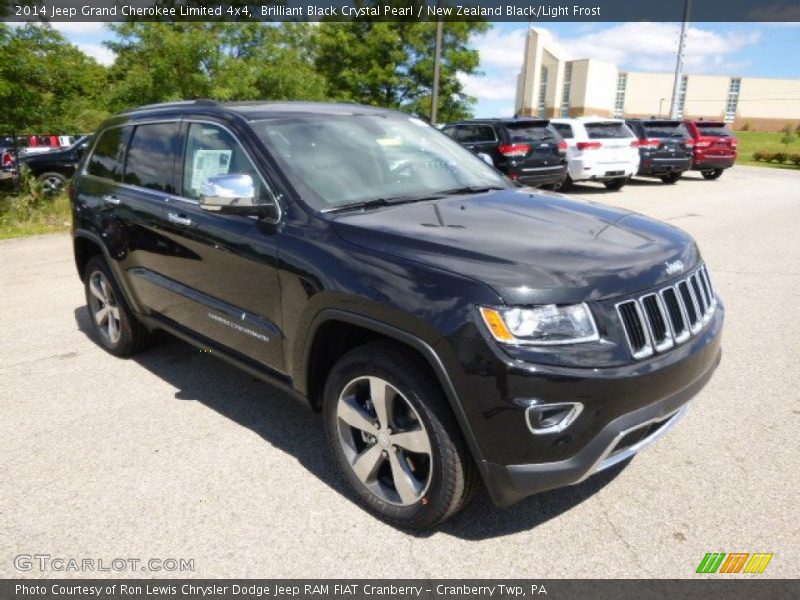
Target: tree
x: 788, y: 137
x: 391, y: 64
x: 158, y: 62
x: 47, y: 85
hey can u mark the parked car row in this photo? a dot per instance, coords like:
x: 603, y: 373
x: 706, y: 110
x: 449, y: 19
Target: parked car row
x: 35, y: 144
x: 52, y: 169
x: 558, y: 152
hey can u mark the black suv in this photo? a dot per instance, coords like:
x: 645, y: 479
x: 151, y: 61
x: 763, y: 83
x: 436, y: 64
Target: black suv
x: 449, y: 325
x: 665, y: 148
x: 52, y: 169
x: 529, y: 151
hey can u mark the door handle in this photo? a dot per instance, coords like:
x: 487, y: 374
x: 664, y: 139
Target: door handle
x: 112, y: 199
x: 178, y: 219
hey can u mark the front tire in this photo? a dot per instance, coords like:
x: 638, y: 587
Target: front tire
x: 712, y: 174
x: 394, y: 437
x: 112, y: 320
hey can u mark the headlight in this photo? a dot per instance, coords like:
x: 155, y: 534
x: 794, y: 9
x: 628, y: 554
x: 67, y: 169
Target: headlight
x: 547, y: 324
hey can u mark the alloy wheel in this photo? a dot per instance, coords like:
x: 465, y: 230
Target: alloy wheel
x: 384, y: 441
x: 103, y: 307
x: 52, y: 185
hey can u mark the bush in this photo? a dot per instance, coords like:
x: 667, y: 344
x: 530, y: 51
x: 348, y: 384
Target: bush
x: 746, y: 127
x: 780, y: 157
x: 795, y: 158
x: 759, y: 156
x: 31, y: 196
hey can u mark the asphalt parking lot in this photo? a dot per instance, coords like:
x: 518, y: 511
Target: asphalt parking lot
x: 175, y: 454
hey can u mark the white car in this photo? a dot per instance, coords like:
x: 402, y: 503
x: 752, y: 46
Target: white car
x: 599, y: 149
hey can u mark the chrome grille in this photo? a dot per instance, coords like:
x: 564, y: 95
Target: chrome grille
x: 657, y: 321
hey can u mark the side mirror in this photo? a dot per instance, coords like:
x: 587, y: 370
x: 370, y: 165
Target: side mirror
x: 231, y: 194
x: 486, y: 158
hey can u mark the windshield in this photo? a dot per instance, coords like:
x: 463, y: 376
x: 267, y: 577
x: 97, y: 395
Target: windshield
x: 337, y: 161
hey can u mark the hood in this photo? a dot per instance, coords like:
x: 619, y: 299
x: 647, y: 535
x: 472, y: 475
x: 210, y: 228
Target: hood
x: 531, y: 248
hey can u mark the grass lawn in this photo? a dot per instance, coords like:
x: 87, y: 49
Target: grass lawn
x: 51, y: 216
x: 754, y: 141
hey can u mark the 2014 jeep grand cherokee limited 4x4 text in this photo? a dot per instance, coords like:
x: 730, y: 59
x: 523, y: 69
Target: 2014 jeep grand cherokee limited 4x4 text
x: 449, y: 325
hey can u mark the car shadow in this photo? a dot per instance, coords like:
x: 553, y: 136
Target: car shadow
x: 294, y: 429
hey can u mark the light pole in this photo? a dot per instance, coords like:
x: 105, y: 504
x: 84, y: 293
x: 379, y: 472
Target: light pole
x: 437, y: 58
x: 676, y: 85
x: 660, y: 104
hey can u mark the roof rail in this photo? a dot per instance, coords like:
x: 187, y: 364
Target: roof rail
x: 176, y: 103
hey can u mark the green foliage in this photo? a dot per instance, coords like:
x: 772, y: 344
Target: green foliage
x: 390, y: 64
x: 746, y: 126
x: 46, y: 83
x: 759, y: 156
x: 795, y: 158
x: 788, y: 137
x: 159, y: 62
x: 779, y: 157
x: 28, y: 211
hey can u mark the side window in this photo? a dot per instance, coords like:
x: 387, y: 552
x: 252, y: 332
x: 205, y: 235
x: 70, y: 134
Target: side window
x: 564, y: 130
x: 151, y: 156
x: 105, y: 160
x: 451, y: 132
x: 211, y: 151
x: 484, y: 133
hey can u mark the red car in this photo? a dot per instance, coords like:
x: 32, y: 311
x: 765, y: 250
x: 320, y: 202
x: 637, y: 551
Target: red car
x: 714, y: 147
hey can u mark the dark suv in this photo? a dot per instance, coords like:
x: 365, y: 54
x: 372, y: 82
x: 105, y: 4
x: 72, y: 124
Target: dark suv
x: 665, y: 148
x: 52, y: 169
x: 529, y: 151
x: 449, y: 325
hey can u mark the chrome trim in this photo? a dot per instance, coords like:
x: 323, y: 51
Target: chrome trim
x: 647, y: 350
x: 574, y: 413
x: 694, y: 328
x: 668, y: 342
x: 608, y: 460
x: 685, y: 333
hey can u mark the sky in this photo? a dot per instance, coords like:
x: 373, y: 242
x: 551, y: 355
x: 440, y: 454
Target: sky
x: 742, y: 49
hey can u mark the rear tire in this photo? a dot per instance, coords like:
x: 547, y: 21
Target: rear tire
x: 616, y: 184
x: 52, y: 183
x: 566, y: 184
x: 395, y: 438
x: 112, y: 320
x: 671, y: 178
x: 712, y: 174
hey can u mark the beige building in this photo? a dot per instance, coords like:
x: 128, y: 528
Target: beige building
x: 551, y: 85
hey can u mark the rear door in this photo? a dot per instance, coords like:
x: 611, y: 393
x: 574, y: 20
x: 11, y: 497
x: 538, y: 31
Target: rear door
x: 535, y: 143
x: 715, y: 140
x: 666, y: 139
x: 616, y: 142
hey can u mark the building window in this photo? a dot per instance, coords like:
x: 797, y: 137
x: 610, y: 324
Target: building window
x: 682, y: 95
x: 542, y: 93
x: 565, y: 91
x: 619, y: 101
x: 733, y: 100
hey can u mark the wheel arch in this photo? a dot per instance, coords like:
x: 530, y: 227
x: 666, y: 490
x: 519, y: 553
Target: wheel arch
x: 318, y: 360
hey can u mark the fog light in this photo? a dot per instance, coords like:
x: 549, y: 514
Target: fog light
x: 551, y: 418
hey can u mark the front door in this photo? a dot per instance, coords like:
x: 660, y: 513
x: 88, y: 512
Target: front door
x: 224, y: 283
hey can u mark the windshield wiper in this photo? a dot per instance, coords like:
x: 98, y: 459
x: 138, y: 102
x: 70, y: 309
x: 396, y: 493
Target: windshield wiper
x: 380, y: 202
x: 471, y: 189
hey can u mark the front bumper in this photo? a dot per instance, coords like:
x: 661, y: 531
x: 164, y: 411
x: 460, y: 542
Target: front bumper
x: 625, y: 408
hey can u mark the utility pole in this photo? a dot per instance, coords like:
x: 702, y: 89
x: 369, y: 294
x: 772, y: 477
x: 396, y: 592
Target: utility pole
x: 676, y: 85
x: 437, y: 67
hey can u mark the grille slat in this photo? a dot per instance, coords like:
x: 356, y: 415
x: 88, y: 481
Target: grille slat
x: 657, y: 321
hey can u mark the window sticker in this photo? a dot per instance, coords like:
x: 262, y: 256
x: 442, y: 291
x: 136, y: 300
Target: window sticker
x: 209, y: 163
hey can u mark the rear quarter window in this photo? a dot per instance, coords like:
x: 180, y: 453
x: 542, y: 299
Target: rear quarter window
x: 536, y: 133
x: 106, y: 158
x: 665, y: 130
x: 607, y: 130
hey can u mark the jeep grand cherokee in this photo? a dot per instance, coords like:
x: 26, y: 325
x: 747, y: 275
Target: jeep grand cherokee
x: 450, y: 326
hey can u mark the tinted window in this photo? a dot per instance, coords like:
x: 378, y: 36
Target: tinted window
x: 151, y: 157
x: 212, y: 151
x: 665, y: 129
x: 105, y: 160
x: 523, y: 132
x: 607, y: 130
x: 563, y: 130
x: 717, y: 129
